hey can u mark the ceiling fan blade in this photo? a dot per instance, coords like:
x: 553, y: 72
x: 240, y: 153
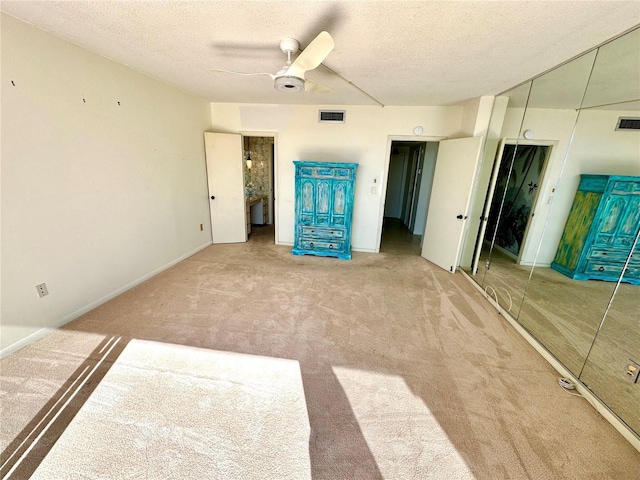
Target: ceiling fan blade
x: 310, y: 86
x: 312, y: 56
x: 244, y: 74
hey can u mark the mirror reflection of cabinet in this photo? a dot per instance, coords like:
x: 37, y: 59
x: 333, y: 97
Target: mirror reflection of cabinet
x: 600, y: 230
x: 589, y: 326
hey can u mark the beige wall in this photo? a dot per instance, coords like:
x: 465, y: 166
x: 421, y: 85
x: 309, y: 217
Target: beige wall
x: 362, y: 139
x: 96, y: 195
x: 596, y: 148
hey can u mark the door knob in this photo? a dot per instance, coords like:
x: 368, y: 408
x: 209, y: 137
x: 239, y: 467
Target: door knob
x: 213, y: 197
x: 460, y: 217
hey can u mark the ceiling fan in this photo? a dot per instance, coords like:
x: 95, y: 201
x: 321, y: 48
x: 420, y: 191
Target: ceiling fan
x: 290, y: 78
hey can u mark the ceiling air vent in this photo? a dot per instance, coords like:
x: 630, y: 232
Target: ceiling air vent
x: 627, y: 123
x: 331, y: 116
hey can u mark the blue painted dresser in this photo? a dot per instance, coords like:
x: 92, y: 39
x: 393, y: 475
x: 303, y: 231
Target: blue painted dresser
x: 323, y: 208
x: 600, y: 230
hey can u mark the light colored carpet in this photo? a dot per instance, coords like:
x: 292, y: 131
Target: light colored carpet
x: 564, y: 315
x: 408, y: 373
x: 167, y: 411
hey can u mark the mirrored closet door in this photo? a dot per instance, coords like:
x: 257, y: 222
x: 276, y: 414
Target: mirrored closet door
x: 561, y: 215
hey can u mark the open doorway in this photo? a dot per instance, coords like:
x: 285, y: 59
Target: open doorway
x: 411, y: 168
x: 258, y: 155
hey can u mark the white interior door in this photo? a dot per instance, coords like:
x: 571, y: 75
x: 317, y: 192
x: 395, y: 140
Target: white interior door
x: 225, y: 175
x: 455, y: 172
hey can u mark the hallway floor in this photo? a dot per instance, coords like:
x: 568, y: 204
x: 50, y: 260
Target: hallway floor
x: 397, y: 239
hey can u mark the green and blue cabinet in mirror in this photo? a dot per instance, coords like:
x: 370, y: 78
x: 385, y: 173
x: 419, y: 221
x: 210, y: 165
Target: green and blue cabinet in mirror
x: 323, y: 208
x: 600, y: 230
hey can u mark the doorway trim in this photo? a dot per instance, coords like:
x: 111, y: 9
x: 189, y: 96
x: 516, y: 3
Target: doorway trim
x: 271, y: 134
x: 382, y: 184
x: 535, y: 206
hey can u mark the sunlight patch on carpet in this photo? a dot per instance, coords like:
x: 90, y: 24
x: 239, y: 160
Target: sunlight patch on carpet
x: 168, y: 411
x: 403, y: 435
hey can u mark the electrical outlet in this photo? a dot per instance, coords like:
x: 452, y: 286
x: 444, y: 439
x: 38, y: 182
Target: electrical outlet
x: 201, y: 227
x: 41, y: 290
x: 632, y: 371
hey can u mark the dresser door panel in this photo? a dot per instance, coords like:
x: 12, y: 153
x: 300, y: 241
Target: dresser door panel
x: 611, y: 219
x: 324, y: 197
x: 307, y: 201
x: 577, y: 229
x: 339, y: 207
x: 630, y: 220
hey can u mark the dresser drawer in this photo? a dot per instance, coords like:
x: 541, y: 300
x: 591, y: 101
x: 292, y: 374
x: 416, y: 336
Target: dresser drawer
x: 317, y: 172
x: 321, y: 245
x: 327, y: 233
x: 605, y: 255
x: 632, y: 271
x: 326, y: 172
x: 612, y: 269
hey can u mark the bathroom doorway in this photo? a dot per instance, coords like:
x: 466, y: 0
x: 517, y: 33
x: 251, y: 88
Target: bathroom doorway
x: 259, y: 175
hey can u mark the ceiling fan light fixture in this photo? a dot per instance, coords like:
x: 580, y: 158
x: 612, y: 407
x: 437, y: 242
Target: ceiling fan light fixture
x: 290, y: 78
x: 288, y: 83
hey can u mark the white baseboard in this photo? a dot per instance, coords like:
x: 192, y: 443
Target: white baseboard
x: 593, y: 400
x: 38, y: 334
x: 534, y: 264
x: 364, y: 250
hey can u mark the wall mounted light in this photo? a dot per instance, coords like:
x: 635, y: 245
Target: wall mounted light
x: 248, y: 161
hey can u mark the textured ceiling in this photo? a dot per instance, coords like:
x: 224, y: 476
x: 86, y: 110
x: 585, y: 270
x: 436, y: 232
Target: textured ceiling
x: 399, y: 52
